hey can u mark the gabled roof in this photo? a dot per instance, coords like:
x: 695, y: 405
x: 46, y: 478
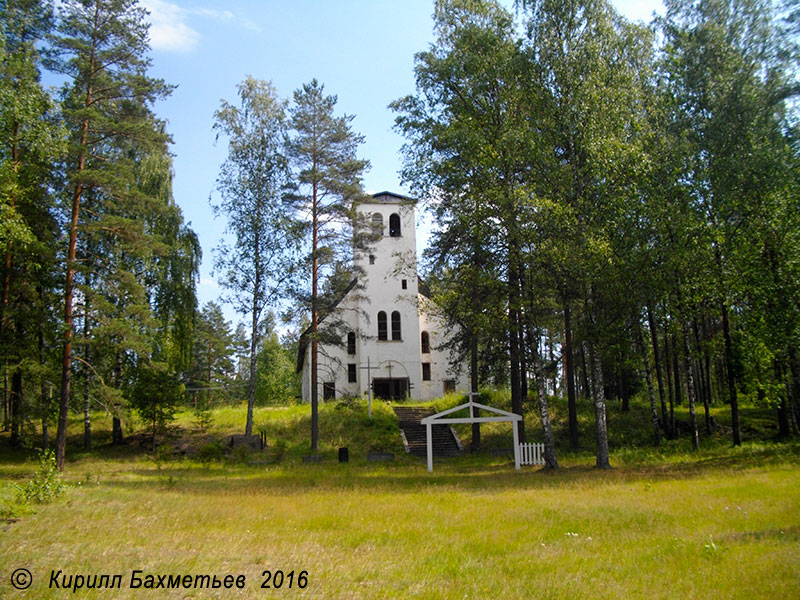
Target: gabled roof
x: 303, y: 342
x: 423, y: 288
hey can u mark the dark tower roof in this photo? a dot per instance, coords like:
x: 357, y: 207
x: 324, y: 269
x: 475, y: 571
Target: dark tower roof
x: 391, y: 197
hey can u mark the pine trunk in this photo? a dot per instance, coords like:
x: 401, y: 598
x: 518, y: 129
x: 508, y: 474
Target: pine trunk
x: 87, y: 423
x: 16, y: 408
x: 66, y: 356
x: 116, y: 431
x: 314, y: 325
x: 45, y: 403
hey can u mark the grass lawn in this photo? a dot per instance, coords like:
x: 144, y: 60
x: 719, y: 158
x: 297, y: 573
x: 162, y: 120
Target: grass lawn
x: 723, y: 523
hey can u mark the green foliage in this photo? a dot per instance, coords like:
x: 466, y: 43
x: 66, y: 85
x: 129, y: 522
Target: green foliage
x: 211, y: 452
x: 277, y: 380
x: 257, y: 267
x: 240, y: 456
x: 46, y: 484
x: 279, y: 450
x: 582, y: 162
x: 323, y: 151
x: 156, y: 395
x: 203, y: 415
x: 212, y: 369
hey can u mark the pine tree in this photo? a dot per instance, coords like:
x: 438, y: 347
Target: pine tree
x: 101, y: 47
x: 323, y: 149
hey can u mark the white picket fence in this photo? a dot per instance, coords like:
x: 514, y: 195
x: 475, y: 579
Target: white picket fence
x: 531, y: 454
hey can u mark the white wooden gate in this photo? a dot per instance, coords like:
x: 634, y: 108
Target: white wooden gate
x: 531, y: 454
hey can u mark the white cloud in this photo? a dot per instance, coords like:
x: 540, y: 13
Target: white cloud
x: 209, y: 283
x: 169, y: 28
x: 214, y: 14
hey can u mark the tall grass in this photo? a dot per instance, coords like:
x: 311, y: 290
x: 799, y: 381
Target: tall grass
x: 665, y: 523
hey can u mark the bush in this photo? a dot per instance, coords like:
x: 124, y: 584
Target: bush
x: 240, y: 455
x: 279, y: 450
x: 46, y: 484
x: 209, y: 453
x: 45, y: 487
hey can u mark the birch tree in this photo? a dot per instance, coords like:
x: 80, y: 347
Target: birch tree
x: 256, y: 265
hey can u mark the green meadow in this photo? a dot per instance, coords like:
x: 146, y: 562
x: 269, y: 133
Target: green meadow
x: 663, y: 523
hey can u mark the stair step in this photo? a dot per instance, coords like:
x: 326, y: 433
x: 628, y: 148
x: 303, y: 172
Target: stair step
x: 442, y: 436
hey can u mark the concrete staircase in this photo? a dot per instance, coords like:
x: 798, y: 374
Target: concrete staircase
x: 445, y: 441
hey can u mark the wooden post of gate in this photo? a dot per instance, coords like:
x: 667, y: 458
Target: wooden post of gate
x: 428, y: 428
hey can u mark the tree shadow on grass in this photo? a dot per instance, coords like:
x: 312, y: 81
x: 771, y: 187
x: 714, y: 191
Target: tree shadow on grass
x: 459, y: 475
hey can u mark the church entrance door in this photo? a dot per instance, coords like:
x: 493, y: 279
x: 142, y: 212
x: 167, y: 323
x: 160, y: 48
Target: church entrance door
x: 388, y: 388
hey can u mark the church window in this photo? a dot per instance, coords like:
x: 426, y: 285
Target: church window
x: 396, y: 326
x: 449, y: 386
x: 351, y: 373
x: 351, y: 343
x: 394, y: 225
x: 426, y: 371
x: 404, y: 284
x: 426, y: 342
x: 377, y: 223
x: 329, y: 390
x: 382, y: 331
x: 372, y: 259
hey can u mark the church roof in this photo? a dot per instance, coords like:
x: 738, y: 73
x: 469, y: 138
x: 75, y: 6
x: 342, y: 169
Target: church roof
x: 391, y: 197
x: 303, y: 342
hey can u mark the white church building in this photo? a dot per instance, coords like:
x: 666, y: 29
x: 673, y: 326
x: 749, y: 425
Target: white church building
x: 393, y: 337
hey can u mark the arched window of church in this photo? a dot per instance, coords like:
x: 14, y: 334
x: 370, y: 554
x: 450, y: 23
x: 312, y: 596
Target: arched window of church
x: 382, y: 326
x: 394, y: 225
x: 396, y: 326
x: 351, y: 343
x: 377, y: 223
x: 426, y: 342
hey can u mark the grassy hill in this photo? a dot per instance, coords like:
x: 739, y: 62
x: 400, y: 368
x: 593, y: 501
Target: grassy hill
x: 347, y: 424
x: 664, y: 523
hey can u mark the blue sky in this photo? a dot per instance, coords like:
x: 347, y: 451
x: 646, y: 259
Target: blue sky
x: 361, y: 50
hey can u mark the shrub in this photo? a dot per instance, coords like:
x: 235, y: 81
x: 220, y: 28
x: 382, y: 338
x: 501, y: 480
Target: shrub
x: 46, y: 484
x: 279, y: 450
x: 209, y: 453
x: 240, y: 455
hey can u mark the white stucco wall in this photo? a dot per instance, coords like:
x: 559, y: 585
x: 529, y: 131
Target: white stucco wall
x: 381, y: 289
